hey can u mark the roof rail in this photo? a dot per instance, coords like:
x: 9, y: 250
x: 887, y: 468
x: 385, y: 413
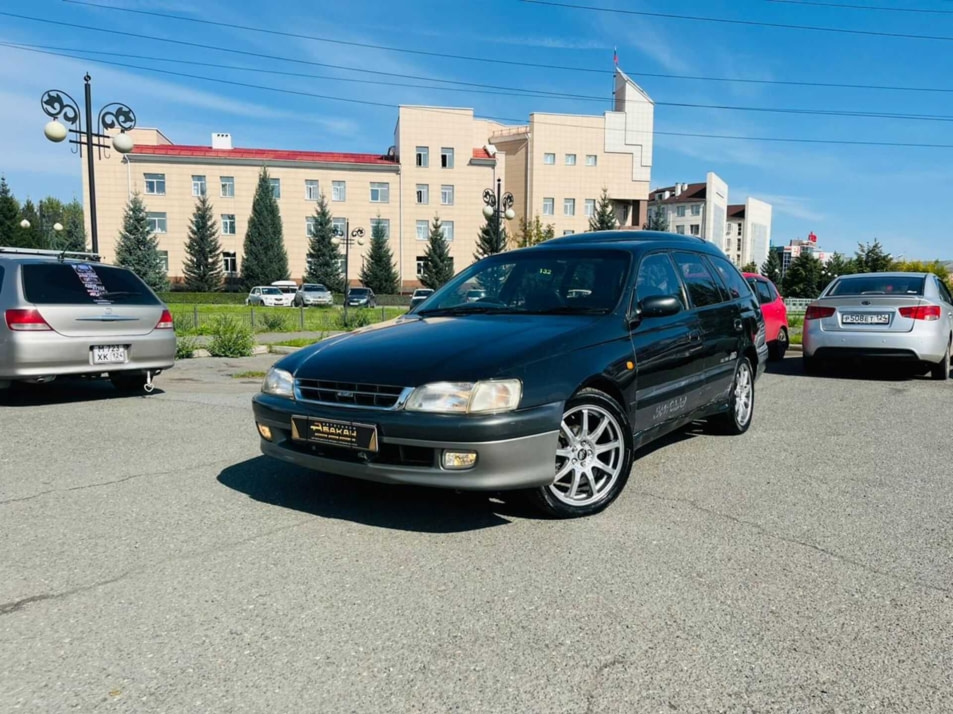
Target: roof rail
x: 60, y: 255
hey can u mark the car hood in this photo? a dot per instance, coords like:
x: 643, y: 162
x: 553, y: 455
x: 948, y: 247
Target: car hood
x: 411, y: 352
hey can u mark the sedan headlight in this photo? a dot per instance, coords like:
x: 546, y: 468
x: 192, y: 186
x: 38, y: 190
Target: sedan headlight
x: 487, y: 397
x: 279, y: 383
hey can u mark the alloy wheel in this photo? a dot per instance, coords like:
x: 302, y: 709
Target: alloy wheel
x: 589, y: 456
x: 744, y: 394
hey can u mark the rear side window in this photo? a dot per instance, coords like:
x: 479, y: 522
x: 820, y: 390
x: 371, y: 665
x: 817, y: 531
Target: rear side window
x: 703, y: 288
x: 83, y: 284
x: 733, y: 280
x: 879, y: 285
x: 763, y: 290
x: 944, y: 292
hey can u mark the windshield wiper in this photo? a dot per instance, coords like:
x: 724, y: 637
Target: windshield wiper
x: 570, y: 310
x: 466, y: 310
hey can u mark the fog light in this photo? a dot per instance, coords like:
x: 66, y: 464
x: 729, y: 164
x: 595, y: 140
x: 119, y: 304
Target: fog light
x: 264, y: 431
x: 459, y: 460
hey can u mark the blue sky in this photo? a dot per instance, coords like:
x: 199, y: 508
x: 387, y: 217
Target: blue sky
x: 844, y: 194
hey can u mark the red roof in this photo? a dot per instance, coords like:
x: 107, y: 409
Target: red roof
x: 204, y: 152
x: 692, y: 192
x: 736, y: 211
x: 481, y: 154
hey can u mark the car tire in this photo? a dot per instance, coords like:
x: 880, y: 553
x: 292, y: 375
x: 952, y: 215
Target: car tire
x: 941, y: 370
x: 811, y: 365
x: 133, y: 383
x: 737, y: 419
x: 592, y: 460
x: 777, y: 348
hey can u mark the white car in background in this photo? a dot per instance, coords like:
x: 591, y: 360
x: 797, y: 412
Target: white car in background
x: 268, y: 296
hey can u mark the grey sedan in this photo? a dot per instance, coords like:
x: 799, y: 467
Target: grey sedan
x: 313, y: 294
x: 905, y: 317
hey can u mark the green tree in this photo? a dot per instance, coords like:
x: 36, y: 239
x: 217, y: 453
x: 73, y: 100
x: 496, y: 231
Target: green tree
x: 804, y: 277
x: 265, y: 259
x: 51, y: 211
x: 491, y: 239
x: 138, y: 247
x: 324, y: 258
x: 203, y: 270
x: 9, y: 214
x: 658, y: 220
x: 751, y: 267
x: 836, y: 265
x: 771, y: 268
x: 533, y: 233
x: 74, y: 232
x: 871, y: 258
x: 32, y: 236
x: 604, y: 217
x: 378, y: 272
x: 937, y: 267
x: 438, y: 265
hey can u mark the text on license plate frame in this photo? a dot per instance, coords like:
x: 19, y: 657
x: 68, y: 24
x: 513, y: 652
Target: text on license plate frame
x: 332, y: 432
x: 109, y: 354
x: 866, y: 318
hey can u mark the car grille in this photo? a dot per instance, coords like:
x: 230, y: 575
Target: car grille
x: 348, y: 394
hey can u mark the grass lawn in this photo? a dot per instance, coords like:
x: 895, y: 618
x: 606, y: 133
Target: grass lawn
x: 200, y: 319
x: 254, y: 374
x: 297, y: 342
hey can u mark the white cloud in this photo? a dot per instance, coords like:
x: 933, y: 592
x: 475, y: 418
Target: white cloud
x: 795, y: 206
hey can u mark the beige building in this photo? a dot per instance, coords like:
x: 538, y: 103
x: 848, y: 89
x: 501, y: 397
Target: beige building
x: 440, y: 162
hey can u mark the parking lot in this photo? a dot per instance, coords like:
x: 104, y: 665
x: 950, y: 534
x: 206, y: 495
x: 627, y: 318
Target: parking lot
x: 152, y: 561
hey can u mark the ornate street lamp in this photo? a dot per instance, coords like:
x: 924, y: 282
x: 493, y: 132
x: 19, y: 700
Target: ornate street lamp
x: 57, y: 105
x: 347, y: 237
x: 502, y: 206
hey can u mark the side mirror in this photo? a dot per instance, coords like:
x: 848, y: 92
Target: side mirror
x: 659, y: 306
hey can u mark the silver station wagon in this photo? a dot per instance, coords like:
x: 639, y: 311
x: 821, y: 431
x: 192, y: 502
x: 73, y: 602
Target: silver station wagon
x: 69, y: 314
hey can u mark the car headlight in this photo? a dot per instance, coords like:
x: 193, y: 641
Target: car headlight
x: 487, y: 397
x: 279, y: 383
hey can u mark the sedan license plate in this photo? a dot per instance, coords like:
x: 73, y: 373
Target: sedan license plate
x: 109, y: 354
x: 350, y: 435
x: 866, y: 318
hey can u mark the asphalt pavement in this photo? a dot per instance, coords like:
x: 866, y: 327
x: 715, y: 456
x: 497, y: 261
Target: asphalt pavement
x: 152, y: 561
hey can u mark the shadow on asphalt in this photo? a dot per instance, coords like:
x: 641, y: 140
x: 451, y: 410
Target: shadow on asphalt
x: 64, y: 391
x: 406, y: 508
x: 791, y: 366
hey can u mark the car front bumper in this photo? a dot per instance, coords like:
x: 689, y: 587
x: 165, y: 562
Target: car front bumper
x: 411, y: 445
x: 316, y: 301
x: 923, y: 343
x: 29, y: 355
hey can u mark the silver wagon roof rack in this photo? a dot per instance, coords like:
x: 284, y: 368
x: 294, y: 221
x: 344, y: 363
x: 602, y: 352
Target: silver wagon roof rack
x: 60, y: 255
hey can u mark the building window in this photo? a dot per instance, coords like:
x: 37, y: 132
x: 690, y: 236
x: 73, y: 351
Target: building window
x: 155, y: 184
x: 568, y: 233
x: 384, y: 223
x: 569, y: 206
x: 228, y: 186
x: 696, y: 209
x: 338, y: 190
x: 339, y: 226
x: 310, y: 223
x: 230, y: 263
x: 423, y: 156
x: 423, y: 230
x: 164, y: 257
x: 157, y: 222
x: 549, y: 206
x: 421, y: 259
x: 423, y: 194
x: 680, y: 211
x: 228, y: 224
x: 694, y: 229
x: 198, y: 185
x: 727, y: 229
x: 275, y: 187
x: 570, y: 159
x: 447, y: 230
x: 446, y: 195
x: 592, y: 160
x: 380, y: 193
x: 590, y: 208
x: 739, y: 228
x: 680, y: 230
x: 446, y: 158
x: 311, y: 190
x: 549, y: 159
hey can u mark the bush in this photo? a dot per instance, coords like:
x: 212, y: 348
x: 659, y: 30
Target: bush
x: 184, y: 347
x: 354, y: 319
x: 203, y: 298
x: 273, y: 321
x: 230, y: 338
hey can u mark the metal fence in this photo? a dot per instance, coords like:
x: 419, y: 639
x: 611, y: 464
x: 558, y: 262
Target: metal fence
x: 797, y: 304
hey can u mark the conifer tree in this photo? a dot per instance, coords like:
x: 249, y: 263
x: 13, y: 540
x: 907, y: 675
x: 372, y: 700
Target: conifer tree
x: 604, y: 217
x: 658, y: 221
x: 9, y: 214
x: 74, y: 232
x: 32, y: 235
x: 203, y: 270
x: 138, y: 247
x: 438, y: 265
x: 265, y: 259
x: 324, y: 258
x: 771, y: 268
x: 378, y: 272
x: 492, y: 238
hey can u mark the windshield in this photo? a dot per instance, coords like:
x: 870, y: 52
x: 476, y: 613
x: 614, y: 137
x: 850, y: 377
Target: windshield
x: 422, y: 293
x: 357, y: 292
x: 270, y: 291
x: 536, y: 282
x: 878, y: 285
x: 315, y: 289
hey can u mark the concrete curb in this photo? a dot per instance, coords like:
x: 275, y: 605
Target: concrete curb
x: 256, y: 350
x: 283, y: 349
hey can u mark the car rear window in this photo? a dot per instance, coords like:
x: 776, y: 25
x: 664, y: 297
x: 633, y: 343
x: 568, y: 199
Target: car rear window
x: 83, y: 284
x: 879, y: 285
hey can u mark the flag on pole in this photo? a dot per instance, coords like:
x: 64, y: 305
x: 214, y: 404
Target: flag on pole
x: 615, y: 56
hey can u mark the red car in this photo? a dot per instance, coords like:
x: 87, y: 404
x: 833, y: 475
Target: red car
x: 775, y: 314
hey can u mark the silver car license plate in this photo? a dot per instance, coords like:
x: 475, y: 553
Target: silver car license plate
x: 866, y: 318
x: 109, y: 354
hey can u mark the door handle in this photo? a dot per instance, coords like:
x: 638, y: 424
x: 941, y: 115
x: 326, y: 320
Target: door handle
x: 694, y: 336
x: 738, y: 325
